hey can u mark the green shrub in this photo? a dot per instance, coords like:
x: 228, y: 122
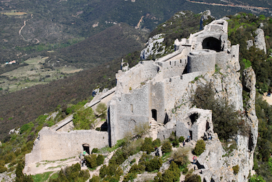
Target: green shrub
x: 153, y: 164
x: 235, y: 169
x: 181, y: 139
x: 185, y: 170
x: 226, y: 120
x: 256, y: 179
x: 180, y: 157
x: 148, y: 146
x: 172, y: 174
x: 101, y: 109
x: 247, y: 63
x: 95, y: 179
x: 166, y: 147
x: 91, y: 160
x: 137, y: 168
x: 100, y: 160
x: 141, y: 129
x: 175, y: 143
x: 9, y: 157
x: 118, y: 157
x: 156, y: 143
x: 192, y: 178
x: 2, y: 162
x: 72, y: 173
x: 84, y: 119
x: 200, y: 147
x: 262, y: 17
x: 95, y: 150
x: 3, y: 169
x: 158, y: 178
x: 129, y: 177
x: 172, y: 137
x: 103, y: 171
x: 26, y: 127
x: 20, y: 177
x: 69, y: 111
x: 84, y: 174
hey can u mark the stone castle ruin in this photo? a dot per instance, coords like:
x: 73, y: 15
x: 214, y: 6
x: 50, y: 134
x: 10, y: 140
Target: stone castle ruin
x: 159, y: 92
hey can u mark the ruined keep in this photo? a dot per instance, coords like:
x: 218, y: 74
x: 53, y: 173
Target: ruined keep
x: 160, y: 92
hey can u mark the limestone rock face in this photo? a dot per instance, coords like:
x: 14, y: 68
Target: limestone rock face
x: 217, y: 161
x: 260, y: 40
x: 249, y: 44
x: 152, y: 46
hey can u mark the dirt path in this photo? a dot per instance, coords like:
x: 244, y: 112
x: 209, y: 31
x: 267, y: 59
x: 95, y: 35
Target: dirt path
x: 20, y: 31
x: 231, y: 5
x: 139, y: 23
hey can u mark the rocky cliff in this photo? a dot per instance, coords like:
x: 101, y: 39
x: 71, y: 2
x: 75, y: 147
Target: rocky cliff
x: 218, y: 160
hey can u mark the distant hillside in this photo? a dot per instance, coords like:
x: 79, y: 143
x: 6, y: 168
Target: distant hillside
x: 30, y: 27
x: 105, y: 46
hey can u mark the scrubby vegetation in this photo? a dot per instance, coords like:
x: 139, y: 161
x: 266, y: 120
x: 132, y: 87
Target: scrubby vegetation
x: 72, y: 173
x: 172, y: 174
x: 149, y: 145
x: 166, y: 147
x: 180, y: 157
x: 235, y: 169
x: 84, y: 119
x: 200, y: 147
x: 226, y: 121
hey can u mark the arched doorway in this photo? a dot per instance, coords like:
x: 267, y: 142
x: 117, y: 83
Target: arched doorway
x: 154, y: 114
x: 212, y: 44
x: 86, y: 147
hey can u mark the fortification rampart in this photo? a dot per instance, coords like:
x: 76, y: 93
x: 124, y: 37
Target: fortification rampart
x: 52, y: 145
x: 172, y: 68
x: 133, y: 78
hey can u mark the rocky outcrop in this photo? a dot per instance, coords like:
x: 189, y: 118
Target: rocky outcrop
x: 153, y: 47
x: 249, y: 44
x: 260, y: 40
x: 217, y: 161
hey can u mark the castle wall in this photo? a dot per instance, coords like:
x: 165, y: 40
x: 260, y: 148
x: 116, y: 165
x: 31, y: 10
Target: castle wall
x: 131, y: 79
x: 182, y: 129
x: 176, y: 86
x: 173, y: 68
x: 222, y: 59
x: 157, y: 101
x: 203, y: 60
x: 52, y: 145
x: 129, y: 110
x: 164, y: 134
